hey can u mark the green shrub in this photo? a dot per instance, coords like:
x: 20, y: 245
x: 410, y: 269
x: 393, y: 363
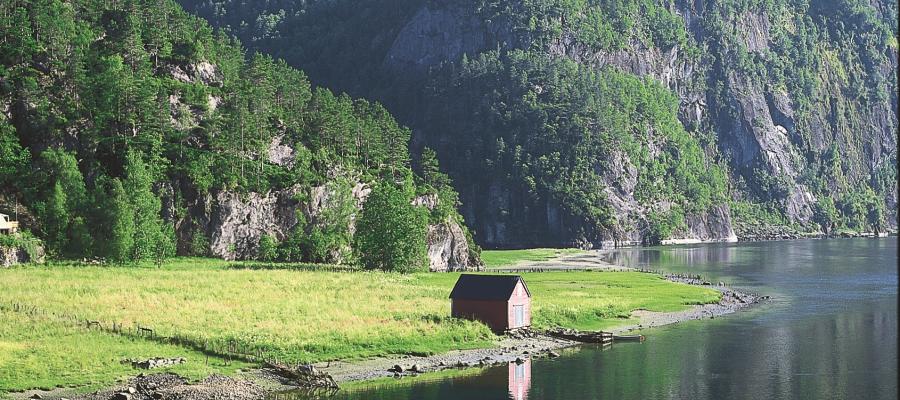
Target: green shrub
x: 663, y: 225
x: 267, y: 249
x: 25, y: 241
x: 199, y: 245
x: 390, y: 234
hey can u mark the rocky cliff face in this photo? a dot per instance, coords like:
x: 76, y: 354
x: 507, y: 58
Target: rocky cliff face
x: 799, y: 100
x: 436, y: 35
x: 439, y: 34
x: 234, y: 224
x: 12, y: 255
x: 448, y: 249
x: 771, y: 145
x: 442, y: 34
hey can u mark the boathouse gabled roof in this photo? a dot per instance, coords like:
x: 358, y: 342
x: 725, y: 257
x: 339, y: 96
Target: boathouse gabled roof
x: 486, y: 287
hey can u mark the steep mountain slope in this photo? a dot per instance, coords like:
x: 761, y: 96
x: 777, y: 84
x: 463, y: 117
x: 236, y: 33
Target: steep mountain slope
x: 795, y: 100
x: 131, y: 130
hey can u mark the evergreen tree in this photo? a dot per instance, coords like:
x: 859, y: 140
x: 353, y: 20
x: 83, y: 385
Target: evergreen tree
x: 390, y: 234
x: 148, y: 224
x: 81, y: 242
x: 56, y: 220
x: 329, y: 238
x: 120, y: 219
x: 13, y: 158
x: 431, y: 171
x: 64, y: 199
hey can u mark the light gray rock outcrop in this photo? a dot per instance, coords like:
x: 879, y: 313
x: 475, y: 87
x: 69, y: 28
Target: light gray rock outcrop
x: 13, y: 255
x: 234, y: 223
x: 447, y: 248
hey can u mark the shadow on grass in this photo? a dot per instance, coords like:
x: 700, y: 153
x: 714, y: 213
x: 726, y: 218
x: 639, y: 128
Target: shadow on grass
x: 293, y: 266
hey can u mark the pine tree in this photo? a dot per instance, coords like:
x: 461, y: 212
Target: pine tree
x: 120, y: 219
x: 146, y: 205
x: 13, y: 158
x: 431, y: 171
x: 56, y: 220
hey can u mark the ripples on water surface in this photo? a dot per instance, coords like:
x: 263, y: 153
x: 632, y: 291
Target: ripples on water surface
x: 830, y: 332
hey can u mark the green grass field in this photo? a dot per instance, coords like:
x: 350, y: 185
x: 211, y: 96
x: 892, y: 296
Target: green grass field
x: 289, y: 314
x: 42, y: 352
x: 506, y: 258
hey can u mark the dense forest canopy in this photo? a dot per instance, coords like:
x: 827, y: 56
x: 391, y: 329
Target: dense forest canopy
x: 560, y: 122
x: 116, y: 114
x: 558, y: 129
x: 794, y: 100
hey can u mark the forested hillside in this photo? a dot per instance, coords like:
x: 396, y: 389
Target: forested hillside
x: 131, y: 131
x: 577, y: 122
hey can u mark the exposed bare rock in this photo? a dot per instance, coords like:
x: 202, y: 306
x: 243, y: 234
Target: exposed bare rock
x: 755, y: 31
x: 712, y: 226
x: 428, y: 201
x: 181, y: 116
x: 213, y: 102
x: 155, y: 362
x: 781, y: 108
x: 236, y: 222
x: 447, y: 248
x: 757, y: 141
x: 279, y: 153
x: 203, y: 72
x: 438, y: 34
x: 11, y: 255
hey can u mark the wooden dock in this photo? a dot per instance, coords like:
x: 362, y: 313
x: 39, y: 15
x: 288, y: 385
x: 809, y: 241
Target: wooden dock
x: 628, y: 338
x: 593, y: 337
x: 583, y: 337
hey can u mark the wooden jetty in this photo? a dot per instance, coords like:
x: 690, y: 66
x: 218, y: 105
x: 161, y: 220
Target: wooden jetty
x: 593, y: 337
x: 584, y: 337
x: 628, y: 338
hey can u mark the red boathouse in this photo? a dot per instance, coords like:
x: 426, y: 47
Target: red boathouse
x: 502, y: 302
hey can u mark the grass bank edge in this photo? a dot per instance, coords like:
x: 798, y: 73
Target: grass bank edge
x: 509, y: 258
x: 581, y: 300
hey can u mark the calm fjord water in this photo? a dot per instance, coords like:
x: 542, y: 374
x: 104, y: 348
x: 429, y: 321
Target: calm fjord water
x: 830, y: 332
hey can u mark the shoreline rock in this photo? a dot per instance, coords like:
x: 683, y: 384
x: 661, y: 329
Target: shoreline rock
x: 258, y: 384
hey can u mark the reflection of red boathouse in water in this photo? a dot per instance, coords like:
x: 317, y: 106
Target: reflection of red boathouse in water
x: 519, y: 380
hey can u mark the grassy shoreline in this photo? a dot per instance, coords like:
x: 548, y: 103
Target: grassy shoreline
x: 291, y: 314
x: 506, y: 258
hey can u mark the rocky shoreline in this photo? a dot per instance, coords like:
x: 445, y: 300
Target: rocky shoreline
x: 732, y: 301
x: 759, y: 233
x: 536, y: 344
x: 259, y: 383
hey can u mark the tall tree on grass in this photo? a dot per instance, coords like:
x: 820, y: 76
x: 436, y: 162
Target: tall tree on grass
x: 61, y: 198
x: 120, y: 220
x: 390, y: 234
x: 56, y: 219
x: 149, y: 234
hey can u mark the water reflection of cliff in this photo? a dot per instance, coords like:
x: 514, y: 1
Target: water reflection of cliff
x: 519, y: 380
x: 674, y: 256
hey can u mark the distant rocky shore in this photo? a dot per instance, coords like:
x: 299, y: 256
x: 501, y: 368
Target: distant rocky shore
x: 759, y: 232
